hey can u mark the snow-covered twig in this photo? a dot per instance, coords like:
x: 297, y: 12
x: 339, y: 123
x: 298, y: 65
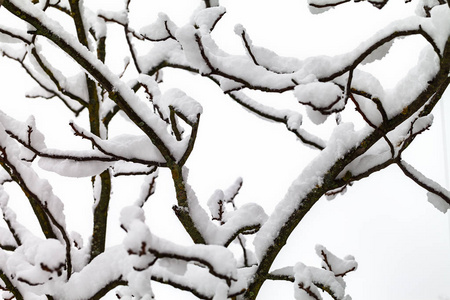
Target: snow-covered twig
x: 291, y: 119
x: 216, y: 70
x: 115, y: 156
x: 41, y: 153
x: 8, y: 284
x: 46, y: 87
x: 40, y: 205
x: 148, y: 188
x: 50, y: 73
x: 22, y: 36
x: 423, y: 181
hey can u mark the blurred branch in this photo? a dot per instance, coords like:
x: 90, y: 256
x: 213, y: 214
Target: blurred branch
x: 181, y: 286
x: 15, y: 36
x: 367, y: 120
x: 324, y: 4
x: 8, y: 284
x: 13, y: 231
x: 78, y: 20
x: 113, y: 284
x: 59, y: 7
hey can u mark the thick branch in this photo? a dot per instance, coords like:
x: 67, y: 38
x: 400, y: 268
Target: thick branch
x: 103, y: 291
x: 100, y: 214
x: 182, y: 209
x: 306, y: 202
x: 78, y: 19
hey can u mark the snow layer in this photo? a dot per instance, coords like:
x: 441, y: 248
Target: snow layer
x: 438, y: 202
x: 182, y: 103
x: 71, y: 168
x: 163, y: 28
x: 342, y: 140
x: 250, y: 215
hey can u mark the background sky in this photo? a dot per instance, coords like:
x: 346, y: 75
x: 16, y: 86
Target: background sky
x: 400, y: 241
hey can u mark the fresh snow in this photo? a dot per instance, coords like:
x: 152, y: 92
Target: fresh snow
x: 37, y: 266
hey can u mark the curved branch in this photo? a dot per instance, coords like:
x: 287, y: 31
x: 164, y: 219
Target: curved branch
x: 192, y: 138
x: 329, y: 4
x: 92, y: 65
x: 279, y: 117
x: 328, y: 181
x: 54, y: 93
x: 180, y: 286
x: 423, y: 181
x: 235, y: 78
x: 249, y: 229
x: 196, y: 259
x: 370, y: 49
x: 113, y: 284
x: 15, y: 36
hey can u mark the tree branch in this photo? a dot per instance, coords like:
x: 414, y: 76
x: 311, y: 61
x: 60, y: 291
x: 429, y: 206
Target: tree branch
x: 35, y: 202
x: 423, y: 181
x: 9, y: 286
x: 312, y: 195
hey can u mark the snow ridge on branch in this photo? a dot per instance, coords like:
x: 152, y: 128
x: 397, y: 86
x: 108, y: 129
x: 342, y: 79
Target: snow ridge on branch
x: 167, y: 122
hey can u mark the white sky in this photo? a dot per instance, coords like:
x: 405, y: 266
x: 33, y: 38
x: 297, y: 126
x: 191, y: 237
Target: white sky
x: 399, y: 240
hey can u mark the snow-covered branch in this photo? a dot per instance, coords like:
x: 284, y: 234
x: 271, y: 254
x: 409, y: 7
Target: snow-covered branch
x: 437, y: 195
x: 308, y: 281
x: 167, y: 122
